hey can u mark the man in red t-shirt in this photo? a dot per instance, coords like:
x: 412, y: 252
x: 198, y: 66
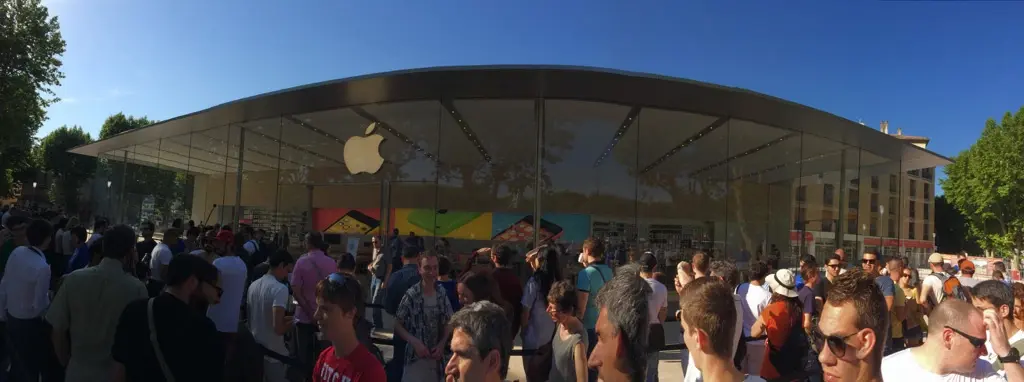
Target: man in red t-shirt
x: 346, y: 360
x: 508, y: 282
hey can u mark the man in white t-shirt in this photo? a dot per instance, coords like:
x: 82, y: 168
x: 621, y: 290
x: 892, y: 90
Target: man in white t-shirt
x: 704, y: 306
x: 657, y: 306
x: 931, y: 286
x: 755, y: 299
x: 233, y: 275
x: 161, y: 256
x: 851, y: 330
x: 268, y: 314
x: 956, y: 340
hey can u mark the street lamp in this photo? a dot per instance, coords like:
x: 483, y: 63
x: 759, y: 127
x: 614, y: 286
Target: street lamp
x: 109, y: 207
x: 35, y: 198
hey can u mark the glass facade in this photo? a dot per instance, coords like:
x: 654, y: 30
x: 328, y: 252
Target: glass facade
x: 477, y: 171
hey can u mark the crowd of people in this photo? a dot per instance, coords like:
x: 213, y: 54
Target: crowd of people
x: 221, y: 304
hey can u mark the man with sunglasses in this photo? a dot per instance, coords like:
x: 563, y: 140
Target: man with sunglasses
x: 872, y: 265
x: 339, y: 303
x: 956, y: 340
x: 851, y: 330
x: 187, y: 340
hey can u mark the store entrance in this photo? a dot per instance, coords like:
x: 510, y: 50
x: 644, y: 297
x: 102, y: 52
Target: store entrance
x: 350, y: 215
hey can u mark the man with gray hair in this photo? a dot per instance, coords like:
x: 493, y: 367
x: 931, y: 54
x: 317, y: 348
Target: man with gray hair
x: 481, y: 343
x: 621, y: 350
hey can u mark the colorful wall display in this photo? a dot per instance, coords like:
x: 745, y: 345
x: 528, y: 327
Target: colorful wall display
x: 444, y: 223
x: 359, y: 221
x: 520, y: 227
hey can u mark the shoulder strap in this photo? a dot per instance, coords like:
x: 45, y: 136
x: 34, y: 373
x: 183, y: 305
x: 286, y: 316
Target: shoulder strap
x: 603, y: 279
x: 156, y: 344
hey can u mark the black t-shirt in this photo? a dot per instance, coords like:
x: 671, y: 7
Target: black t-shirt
x: 821, y: 288
x: 189, y: 341
x: 145, y: 248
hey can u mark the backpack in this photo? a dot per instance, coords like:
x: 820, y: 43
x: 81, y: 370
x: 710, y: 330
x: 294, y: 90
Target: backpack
x: 791, y: 357
x: 951, y: 288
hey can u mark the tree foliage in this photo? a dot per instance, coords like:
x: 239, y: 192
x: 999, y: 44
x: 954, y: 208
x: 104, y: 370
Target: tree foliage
x: 30, y: 50
x: 951, y: 234
x: 986, y: 184
x: 71, y: 170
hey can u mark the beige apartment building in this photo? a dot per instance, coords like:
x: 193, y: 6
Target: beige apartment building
x: 891, y: 212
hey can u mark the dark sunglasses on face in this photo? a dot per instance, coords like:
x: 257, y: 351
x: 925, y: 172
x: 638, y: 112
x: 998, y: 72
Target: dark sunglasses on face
x: 837, y: 344
x: 833, y: 266
x: 868, y: 261
x: 975, y: 341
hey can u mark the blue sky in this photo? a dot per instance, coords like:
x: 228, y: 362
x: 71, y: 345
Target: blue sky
x: 938, y: 69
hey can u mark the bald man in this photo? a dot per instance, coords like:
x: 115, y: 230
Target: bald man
x: 955, y: 343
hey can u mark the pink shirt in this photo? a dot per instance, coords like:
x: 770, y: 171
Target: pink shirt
x: 309, y: 270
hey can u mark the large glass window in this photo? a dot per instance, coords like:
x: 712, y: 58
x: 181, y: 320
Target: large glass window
x: 682, y: 184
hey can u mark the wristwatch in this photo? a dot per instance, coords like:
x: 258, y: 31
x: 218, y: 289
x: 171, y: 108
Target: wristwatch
x: 1012, y: 356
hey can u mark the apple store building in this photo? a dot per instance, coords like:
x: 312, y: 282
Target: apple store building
x: 465, y: 157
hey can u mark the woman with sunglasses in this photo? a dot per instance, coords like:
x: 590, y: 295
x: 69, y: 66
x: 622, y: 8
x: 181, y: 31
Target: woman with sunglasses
x: 909, y: 283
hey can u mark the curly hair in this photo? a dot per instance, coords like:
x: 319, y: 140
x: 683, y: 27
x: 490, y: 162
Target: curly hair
x: 563, y: 295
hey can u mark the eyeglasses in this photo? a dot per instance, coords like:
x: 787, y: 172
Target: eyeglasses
x: 868, y: 261
x: 975, y: 341
x: 906, y: 275
x: 835, y: 343
x: 220, y: 291
x: 832, y: 265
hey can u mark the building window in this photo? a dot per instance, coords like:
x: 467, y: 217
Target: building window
x: 927, y: 211
x: 874, y: 182
x: 855, y: 183
x: 801, y: 219
x: 913, y: 188
x: 913, y: 211
x: 894, y: 184
x: 829, y: 194
x: 927, y: 191
x: 854, y: 200
x: 910, y: 234
x: 873, y: 229
x: 801, y: 194
x: 874, y: 202
x: 851, y: 226
x: 925, y: 234
x: 928, y: 173
x: 893, y: 206
x: 914, y: 173
x: 827, y: 225
x: 892, y: 228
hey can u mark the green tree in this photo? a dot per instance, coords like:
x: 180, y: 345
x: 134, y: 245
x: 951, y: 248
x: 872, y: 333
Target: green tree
x: 164, y: 185
x: 30, y: 50
x: 986, y: 184
x: 71, y: 170
x: 951, y: 234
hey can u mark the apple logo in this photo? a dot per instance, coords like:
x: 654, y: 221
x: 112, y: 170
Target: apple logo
x: 362, y: 154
